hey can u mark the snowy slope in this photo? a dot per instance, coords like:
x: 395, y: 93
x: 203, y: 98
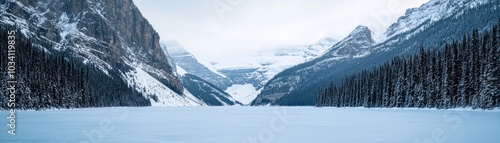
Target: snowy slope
x: 206, y: 91
x: 417, y: 19
x: 272, y: 61
x: 159, y: 94
x: 190, y: 71
x: 244, y: 93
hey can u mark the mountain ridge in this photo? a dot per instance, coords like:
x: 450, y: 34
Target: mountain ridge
x: 297, y: 85
x: 200, y: 81
x: 184, y: 59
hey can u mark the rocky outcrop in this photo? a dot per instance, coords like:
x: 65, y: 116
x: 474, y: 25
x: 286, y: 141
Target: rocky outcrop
x: 111, y: 35
x: 188, y: 62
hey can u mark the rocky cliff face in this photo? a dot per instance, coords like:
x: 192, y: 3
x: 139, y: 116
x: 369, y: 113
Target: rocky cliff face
x: 355, y: 44
x: 111, y: 35
x: 188, y: 62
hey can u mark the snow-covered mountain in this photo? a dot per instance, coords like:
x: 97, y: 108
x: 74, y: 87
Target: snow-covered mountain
x: 268, y: 62
x: 187, y: 61
x: 431, y: 25
x: 279, y: 58
x: 199, y: 80
x: 355, y: 45
x: 111, y: 36
x: 417, y: 19
x: 248, y: 78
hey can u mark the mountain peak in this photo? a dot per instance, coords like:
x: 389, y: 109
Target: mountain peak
x: 361, y: 33
x: 427, y: 14
x: 362, y: 27
x: 355, y: 44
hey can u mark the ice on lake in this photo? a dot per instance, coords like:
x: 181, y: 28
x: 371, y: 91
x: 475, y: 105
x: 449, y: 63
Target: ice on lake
x: 254, y: 125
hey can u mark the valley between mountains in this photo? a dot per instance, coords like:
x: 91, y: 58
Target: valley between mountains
x: 92, y: 53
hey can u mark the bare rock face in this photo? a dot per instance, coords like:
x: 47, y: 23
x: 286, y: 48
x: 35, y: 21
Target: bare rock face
x: 112, y: 35
x: 188, y: 62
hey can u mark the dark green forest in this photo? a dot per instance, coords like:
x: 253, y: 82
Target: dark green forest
x: 461, y: 74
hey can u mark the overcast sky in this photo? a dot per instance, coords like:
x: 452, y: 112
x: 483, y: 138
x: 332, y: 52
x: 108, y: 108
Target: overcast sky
x: 219, y: 30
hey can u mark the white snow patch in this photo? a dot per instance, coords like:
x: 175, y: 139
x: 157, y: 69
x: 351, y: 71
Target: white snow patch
x: 149, y: 86
x: 363, y: 54
x: 181, y: 71
x: 211, y: 68
x: 97, y: 8
x: 66, y: 27
x: 244, y: 93
x: 25, y: 32
x: 218, y: 99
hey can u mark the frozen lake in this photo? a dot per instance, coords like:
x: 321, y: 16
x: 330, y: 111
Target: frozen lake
x: 254, y: 125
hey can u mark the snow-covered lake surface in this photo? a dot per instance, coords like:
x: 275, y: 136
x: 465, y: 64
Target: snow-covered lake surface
x: 260, y: 124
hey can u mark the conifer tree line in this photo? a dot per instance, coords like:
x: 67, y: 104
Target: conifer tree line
x: 51, y: 79
x: 460, y: 75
